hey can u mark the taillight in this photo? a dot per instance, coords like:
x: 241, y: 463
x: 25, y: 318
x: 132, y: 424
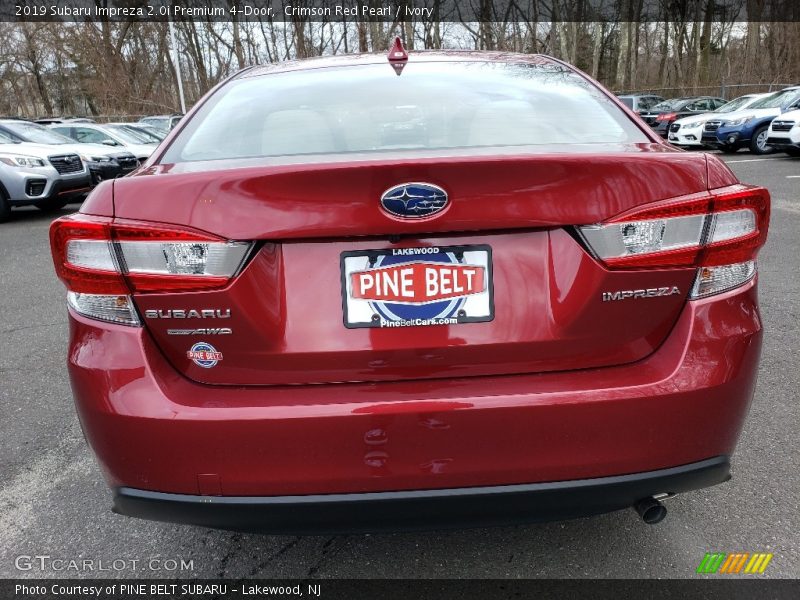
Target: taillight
x: 101, y: 261
x: 724, y: 229
x: 667, y: 116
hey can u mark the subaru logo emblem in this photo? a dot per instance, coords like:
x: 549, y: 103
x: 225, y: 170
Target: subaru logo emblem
x: 414, y: 200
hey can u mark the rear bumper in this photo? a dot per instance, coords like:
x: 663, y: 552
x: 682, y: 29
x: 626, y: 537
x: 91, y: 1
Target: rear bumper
x: 414, y: 510
x: 152, y: 429
x: 662, y: 128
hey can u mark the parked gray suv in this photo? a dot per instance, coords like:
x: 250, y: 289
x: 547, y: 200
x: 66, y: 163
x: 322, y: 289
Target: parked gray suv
x: 32, y: 174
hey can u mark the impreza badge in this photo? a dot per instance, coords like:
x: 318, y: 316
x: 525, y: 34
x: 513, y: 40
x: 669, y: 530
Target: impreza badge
x: 648, y: 293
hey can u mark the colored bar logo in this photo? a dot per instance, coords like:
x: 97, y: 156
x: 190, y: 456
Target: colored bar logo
x: 737, y: 562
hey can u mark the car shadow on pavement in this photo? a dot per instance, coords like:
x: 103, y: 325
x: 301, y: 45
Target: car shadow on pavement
x: 33, y: 214
x: 611, y: 545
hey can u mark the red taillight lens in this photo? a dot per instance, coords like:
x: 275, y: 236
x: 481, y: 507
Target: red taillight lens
x: 731, y: 241
x: 83, y: 255
x: 667, y: 116
x: 98, y: 255
x: 725, y: 227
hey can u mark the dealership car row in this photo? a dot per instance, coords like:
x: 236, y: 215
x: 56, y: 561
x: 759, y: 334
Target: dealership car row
x: 762, y: 123
x: 55, y: 161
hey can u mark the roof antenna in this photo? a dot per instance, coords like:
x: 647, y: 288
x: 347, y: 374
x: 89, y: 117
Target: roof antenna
x: 398, y: 57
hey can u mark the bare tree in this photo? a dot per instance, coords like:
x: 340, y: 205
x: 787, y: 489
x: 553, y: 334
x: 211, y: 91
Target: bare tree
x: 106, y: 68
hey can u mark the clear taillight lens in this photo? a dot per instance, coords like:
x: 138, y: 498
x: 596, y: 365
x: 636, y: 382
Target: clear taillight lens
x: 91, y: 254
x: 715, y: 280
x: 214, y: 259
x: 633, y: 238
x: 732, y: 224
x: 113, y: 309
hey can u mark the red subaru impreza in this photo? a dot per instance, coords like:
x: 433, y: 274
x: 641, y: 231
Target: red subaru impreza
x: 444, y: 289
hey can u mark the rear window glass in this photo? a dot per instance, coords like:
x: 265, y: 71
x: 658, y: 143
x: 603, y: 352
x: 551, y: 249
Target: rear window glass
x: 368, y: 108
x: 627, y: 101
x: 669, y: 104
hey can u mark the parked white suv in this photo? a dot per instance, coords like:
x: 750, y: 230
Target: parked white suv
x: 688, y: 131
x: 784, y: 133
x: 32, y: 174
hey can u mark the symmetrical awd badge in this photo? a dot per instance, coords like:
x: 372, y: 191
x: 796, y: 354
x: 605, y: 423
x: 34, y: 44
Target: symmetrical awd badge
x: 414, y: 200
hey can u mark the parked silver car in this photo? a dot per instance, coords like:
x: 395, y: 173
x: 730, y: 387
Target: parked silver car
x: 32, y: 174
x: 118, y: 137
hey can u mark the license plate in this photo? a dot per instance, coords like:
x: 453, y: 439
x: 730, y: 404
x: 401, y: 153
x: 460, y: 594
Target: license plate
x: 417, y: 287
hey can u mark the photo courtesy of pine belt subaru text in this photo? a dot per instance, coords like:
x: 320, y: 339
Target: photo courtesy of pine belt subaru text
x: 414, y: 291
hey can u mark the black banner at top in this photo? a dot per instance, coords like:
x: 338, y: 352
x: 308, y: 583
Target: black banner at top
x: 395, y: 11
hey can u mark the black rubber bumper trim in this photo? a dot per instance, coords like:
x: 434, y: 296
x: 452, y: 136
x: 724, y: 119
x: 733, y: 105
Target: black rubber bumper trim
x: 781, y: 143
x: 416, y: 510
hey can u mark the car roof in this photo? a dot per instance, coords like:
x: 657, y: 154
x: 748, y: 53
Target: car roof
x: 414, y: 56
x: 688, y: 99
x: 80, y: 124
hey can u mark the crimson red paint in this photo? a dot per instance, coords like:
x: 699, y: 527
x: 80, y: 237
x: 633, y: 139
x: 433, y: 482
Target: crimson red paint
x: 586, y: 362
x: 154, y: 429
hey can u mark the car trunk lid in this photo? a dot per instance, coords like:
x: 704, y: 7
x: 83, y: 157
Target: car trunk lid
x: 284, y: 319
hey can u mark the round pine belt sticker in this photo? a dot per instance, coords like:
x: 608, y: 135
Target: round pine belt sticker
x: 204, y: 355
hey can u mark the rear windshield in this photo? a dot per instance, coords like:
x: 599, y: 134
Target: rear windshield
x: 627, y: 101
x: 669, y: 104
x: 368, y: 108
x: 155, y: 121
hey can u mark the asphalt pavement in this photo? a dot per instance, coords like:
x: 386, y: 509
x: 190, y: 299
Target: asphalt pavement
x: 53, y: 501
